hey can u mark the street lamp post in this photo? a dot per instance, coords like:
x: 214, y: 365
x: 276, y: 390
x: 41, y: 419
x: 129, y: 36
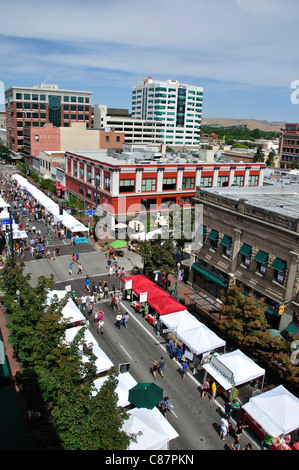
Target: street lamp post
x: 144, y: 201
x: 18, y: 297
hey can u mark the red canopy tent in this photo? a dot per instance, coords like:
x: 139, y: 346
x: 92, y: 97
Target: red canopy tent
x: 157, y: 298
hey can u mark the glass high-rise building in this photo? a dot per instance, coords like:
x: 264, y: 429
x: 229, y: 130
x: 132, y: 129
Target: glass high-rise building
x: 177, y: 106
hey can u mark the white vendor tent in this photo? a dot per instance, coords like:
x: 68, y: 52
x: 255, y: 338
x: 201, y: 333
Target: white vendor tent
x: 232, y: 369
x: 125, y: 383
x: 70, y: 311
x: 103, y: 362
x: 276, y: 411
x: 193, y: 333
x: 66, y: 219
x: 149, y: 429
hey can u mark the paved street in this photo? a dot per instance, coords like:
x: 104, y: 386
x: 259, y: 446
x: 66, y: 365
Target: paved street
x: 196, y: 421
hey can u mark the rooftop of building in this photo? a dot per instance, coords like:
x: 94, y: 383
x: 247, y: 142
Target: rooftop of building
x: 280, y: 199
x: 147, y: 157
x: 46, y: 87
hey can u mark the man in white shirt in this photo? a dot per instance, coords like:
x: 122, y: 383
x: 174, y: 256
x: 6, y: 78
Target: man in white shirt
x: 83, y: 302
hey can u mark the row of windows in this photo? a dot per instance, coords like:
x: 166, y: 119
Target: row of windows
x: 246, y: 259
x: 42, y: 97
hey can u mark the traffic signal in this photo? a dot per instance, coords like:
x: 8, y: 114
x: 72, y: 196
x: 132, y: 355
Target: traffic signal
x: 73, y: 211
x: 60, y: 210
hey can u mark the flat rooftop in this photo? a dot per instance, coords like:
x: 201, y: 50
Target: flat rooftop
x: 282, y: 200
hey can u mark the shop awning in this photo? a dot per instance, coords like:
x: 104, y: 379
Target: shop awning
x: 202, y: 229
x: 210, y: 276
x: 261, y: 257
x: 292, y: 328
x: 213, y: 235
x: 245, y: 249
x: 279, y: 264
x: 226, y: 241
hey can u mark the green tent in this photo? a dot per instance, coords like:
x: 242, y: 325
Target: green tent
x: 145, y: 395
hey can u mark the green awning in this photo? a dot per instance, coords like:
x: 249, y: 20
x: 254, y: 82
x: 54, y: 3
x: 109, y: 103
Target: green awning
x: 245, y: 249
x: 209, y: 275
x: 226, y: 241
x: 261, y: 257
x: 213, y: 235
x: 279, y: 264
x: 292, y: 328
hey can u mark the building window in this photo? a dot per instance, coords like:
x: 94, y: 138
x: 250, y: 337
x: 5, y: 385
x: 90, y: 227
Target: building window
x: 86, y: 100
x: 81, y: 173
x: 253, y: 180
x: 213, y: 237
x: 88, y: 193
x: 261, y: 262
x: 222, y: 181
x: 19, y: 96
x: 149, y: 184
x: 107, y: 139
x: 188, y: 183
x: 66, y: 99
x: 80, y: 99
x: 126, y: 186
x: 26, y: 96
x: 239, y: 180
x: 206, y: 181
x: 279, y: 267
x: 107, y: 183
x: 245, y: 251
x: 34, y: 96
x: 81, y: 189
x: 169, y: 183
x: 226, y: 243
x: 73, y: 99
x: 117, y: 138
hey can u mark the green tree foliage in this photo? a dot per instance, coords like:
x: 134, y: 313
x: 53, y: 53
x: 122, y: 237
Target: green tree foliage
x: 55, y: 378
x: 243, y: 318
x: 158, y: 255
x: 233, y: 133
x: 271, y: 158
x: 259, y: 155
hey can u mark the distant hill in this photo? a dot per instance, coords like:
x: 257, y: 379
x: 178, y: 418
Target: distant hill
x: 263, y: 125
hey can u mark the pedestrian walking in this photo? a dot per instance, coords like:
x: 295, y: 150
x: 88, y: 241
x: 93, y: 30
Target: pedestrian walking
x: 185, y: 368
x: 112, y: 303
x: 162, y: 364
x: 118, y: 320
x: 54, y: 255
x: 83, y: 302
x: 154, y: 369
x: 73, y: 257
x: 165, y: 406
x: 223, y: 428
x: 171, y: 348
x: 205, y: 388
x: 87, y: 282
x: 179, y: 353
x: 228, y: 410
x: 77, y: 257
x: 126, y: 319
x: 79, y: 270
x: 236, y: 445
x: 106, y: 291
x: 70, y: 269
x: 100, y: 327
x: 90, y: 309
x: 213, y: 391
x: 239, y: 429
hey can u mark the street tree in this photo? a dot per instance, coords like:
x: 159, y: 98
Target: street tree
x: 243, y: 318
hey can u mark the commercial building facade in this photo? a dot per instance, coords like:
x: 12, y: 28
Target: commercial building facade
x: 122, y: 184
x: 178, y: 107
x: 250, y: 237
x: 289, y: 145
x: 40, y: 104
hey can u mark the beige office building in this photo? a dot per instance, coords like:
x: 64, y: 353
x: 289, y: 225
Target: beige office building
x: 250, y: 237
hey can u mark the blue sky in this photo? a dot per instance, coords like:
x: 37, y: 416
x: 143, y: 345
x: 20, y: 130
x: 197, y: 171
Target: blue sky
x: 243, y: 52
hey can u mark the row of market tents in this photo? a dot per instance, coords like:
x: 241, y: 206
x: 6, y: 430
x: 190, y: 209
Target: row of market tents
x: 276, y: 411
x: 50, y: 206
x: 149, y: 428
